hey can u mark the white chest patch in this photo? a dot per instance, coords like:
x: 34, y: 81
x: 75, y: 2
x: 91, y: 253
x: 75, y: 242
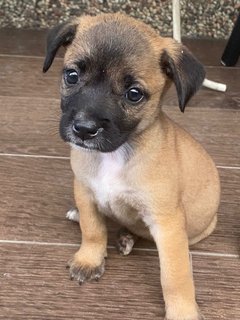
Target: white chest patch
x: 108, y: 185
x: 109, y: 178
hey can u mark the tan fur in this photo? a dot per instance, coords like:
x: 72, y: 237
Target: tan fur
x: 169, y: 187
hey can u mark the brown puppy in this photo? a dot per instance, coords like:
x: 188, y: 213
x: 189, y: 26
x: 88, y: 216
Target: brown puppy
x: 130, y: 161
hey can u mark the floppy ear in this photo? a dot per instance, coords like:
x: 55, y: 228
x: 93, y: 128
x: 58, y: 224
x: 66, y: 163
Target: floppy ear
x: 180, y: 66
x: 61, y: 35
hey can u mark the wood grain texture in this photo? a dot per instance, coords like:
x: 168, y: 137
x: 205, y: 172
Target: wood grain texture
x: 25, y: 42
x: 207, y: 51
x: 32, y: 43
x: 30, y: 126
x: 23, y: 77
x: 211, y: 98
x: 217, y: 282
x: 35, y: 285
x: 35, y: 194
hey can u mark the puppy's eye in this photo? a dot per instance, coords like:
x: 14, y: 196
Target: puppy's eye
x: 134, y: 95
x: 71, y: 76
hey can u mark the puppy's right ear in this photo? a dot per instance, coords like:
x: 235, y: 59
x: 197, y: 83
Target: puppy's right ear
x: 61, y: 35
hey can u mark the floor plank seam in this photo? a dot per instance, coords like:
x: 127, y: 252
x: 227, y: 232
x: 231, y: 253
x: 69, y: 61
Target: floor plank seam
x: 34, y: 156
x: 8, y: 55
x: 214, y: 254
x: 228, y: 167
x: 5, y: 55
x: 61, y: 244
x: 68, y: 158
x: 30, y: 98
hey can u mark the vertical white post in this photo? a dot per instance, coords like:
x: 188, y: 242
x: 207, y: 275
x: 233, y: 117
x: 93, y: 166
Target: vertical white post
x: 176, y: 17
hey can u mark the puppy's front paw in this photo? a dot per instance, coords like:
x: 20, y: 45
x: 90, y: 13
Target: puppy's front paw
x: 198, y: 317
x: 83, y: 271
x: 192, y: 315
x: 73, y: 214
x: 184, y: 312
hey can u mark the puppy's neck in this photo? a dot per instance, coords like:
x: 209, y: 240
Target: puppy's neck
x: 120, y: 156
x: 152, y: 137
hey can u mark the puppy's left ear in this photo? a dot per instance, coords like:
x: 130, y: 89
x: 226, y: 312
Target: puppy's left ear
x: 180, y: 66
x: 61, y: 35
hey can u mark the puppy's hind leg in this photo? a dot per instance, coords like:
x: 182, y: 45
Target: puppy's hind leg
x: 73, y: 214
x: 125, y: 241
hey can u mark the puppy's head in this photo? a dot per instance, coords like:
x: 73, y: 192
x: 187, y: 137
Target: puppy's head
x: 116, y: 70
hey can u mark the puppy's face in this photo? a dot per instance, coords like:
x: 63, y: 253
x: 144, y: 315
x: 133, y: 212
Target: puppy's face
x: 115, y: 72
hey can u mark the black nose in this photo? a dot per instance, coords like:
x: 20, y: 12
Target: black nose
x: 85, y: 129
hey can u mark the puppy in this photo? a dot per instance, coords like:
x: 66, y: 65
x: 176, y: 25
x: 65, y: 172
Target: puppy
x: 130, y: 161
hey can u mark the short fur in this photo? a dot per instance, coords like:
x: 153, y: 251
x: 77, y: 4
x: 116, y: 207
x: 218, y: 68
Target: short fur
x: 138, y: 167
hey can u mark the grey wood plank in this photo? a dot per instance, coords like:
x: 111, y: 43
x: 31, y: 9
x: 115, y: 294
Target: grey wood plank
x: 208, y: 51
x: 211, y: 98
x: 32, y: 43
x: 215, y: 280
x: 35, y: 281
x: 35, y: 285
x: 23, y: 77
x: 22, y: 42
x: 36, y: 193
x: 30, y: 126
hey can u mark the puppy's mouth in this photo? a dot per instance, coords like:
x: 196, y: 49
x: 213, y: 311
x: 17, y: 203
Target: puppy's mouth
x: 94, y: 144
x: 101, y: 140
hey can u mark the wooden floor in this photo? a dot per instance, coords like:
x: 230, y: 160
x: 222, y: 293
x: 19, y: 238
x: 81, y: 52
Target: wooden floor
x: 35, y: 192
